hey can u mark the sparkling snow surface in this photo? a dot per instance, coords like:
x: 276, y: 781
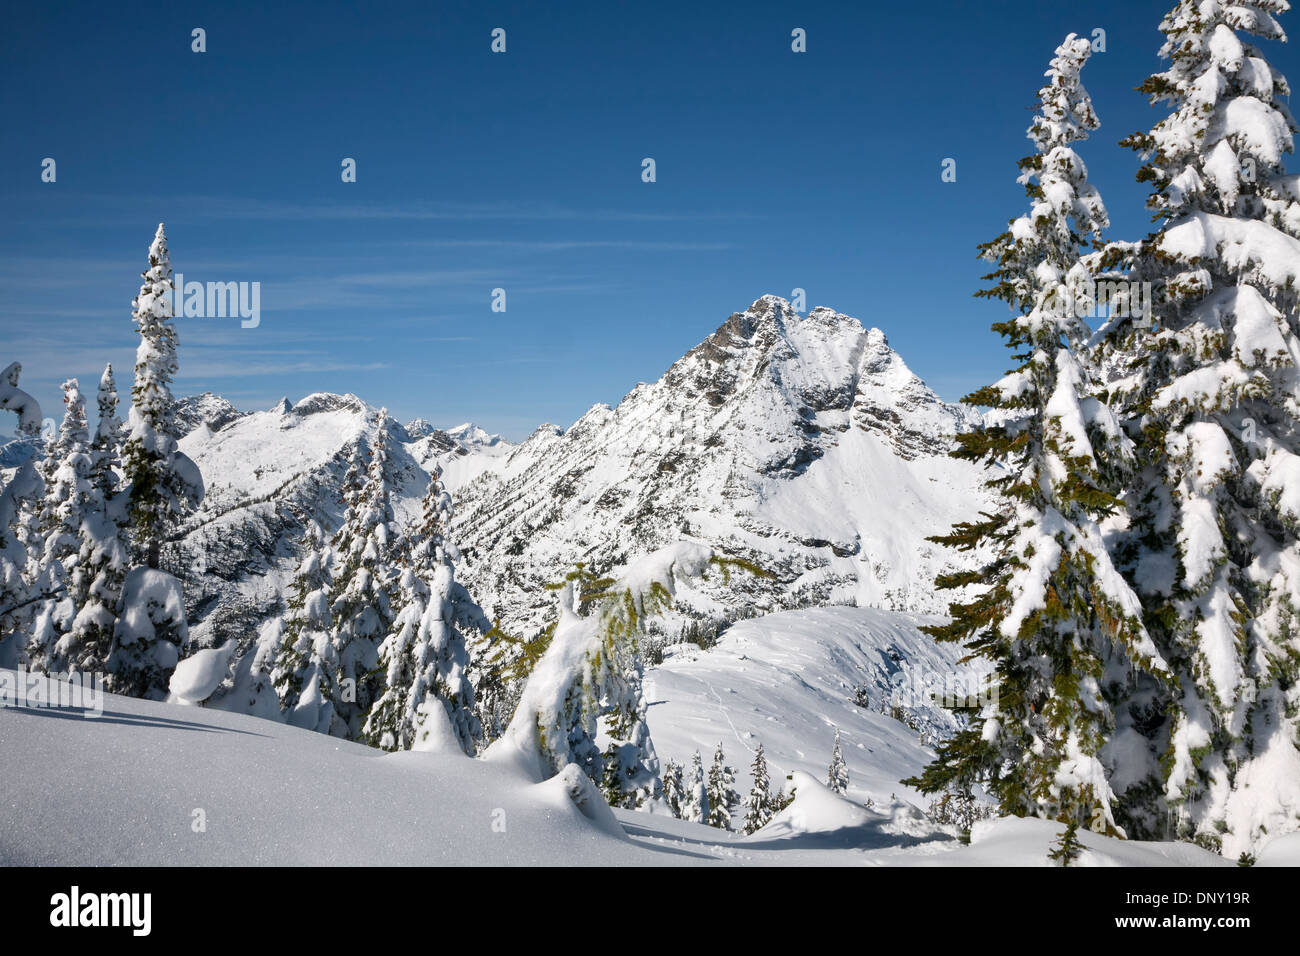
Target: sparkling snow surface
x: 787, y: 681
x: 154, y: 783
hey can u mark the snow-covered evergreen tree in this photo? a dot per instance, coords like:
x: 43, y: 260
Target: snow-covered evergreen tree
x: 495, y: 694
x: 588, y: 678
x: 68, y: 494
x: 150, y: 632
x: 674, y: 788
x: 14, y: 399
x: 366, y: 573
x: 838, y: 775
x: 102, y: 557
x: 16, y: 496
x: 630, y: 765
x: 164, y: 483
x: 305, y: 668
x: 722, y: 795
x: 759, y: 805
x: 257, y: 689
x: 1209, y: 385
x: 105, y: 446
x: 695, y: 806
x: 1060, y: 624
x: 424, y: 657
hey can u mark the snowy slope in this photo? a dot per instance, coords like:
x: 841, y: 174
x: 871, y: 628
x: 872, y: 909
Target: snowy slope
x: 159, y: 784
x: 787, y: 680
x: 802, y: 443
x: 463, y: 453
x: 270, y: 473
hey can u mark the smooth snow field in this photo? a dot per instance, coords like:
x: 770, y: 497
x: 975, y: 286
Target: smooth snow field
x: 163, y: 784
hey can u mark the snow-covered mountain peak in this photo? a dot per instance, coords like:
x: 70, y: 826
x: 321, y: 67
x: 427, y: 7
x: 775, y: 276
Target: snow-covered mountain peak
x: 893, y: 401
x: 802, y: 443
x: 318, y: 402
x: 205, y: 409
x: 813, y: 371
x: 419, y: 428
x: 471, y: 436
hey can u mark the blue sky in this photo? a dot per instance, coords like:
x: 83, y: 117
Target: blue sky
x: 522, y: 170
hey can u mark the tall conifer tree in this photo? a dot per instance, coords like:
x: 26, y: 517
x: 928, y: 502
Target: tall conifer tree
x: 1061, y: 626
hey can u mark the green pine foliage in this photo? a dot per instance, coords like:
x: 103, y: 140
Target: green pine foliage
x: 1067, y: 849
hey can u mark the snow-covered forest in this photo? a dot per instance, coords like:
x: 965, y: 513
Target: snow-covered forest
x: 782, y: 606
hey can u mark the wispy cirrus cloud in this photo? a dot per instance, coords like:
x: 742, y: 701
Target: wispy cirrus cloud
x: 197, y: 208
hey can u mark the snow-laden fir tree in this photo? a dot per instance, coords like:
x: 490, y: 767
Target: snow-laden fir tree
x: 255, y: 686
x: 366, y: 556
x: 630, y: 773
x: 587, y: 681
x: 24, y: 405
x: 105, y: 445
x: 958, y: 808
x: 36, y: 522
x: 1057, y: 620
x: 759, y: 805
x: 164, y: 483
x: 424, y: 657
x: 838, y: 775
x: 495, y: 694
x: 148, y: 636
x: 503, y: 662
x: 674, y: 788
x: 722, y: 793
x: 1209, y: 383
x: 695, y: 806
x: 305, y: 668
x: 102, y: 556
x: 64, y: 510
x: 17, y: 495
